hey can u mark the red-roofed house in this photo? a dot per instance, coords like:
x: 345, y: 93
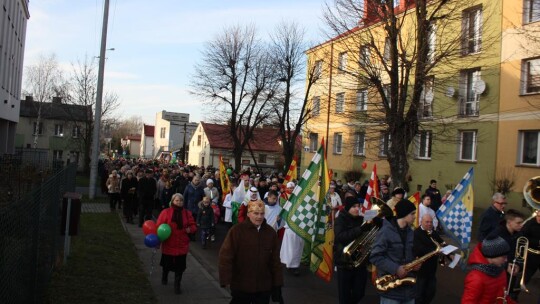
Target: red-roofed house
x: 147, y: 141
x: 212, y: 140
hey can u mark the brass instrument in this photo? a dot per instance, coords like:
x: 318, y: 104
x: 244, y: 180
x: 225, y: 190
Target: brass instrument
x: 531, y: 192
x: 390, y: 281
x: 358, y: 250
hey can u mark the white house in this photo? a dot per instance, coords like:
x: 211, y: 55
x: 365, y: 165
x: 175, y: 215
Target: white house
x: 147, y: 141
x: 170, y: 130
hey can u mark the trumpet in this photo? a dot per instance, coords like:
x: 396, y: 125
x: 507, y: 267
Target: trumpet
x: 358, y: 250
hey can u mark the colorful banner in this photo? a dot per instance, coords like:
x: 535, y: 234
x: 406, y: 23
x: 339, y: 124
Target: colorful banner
x: 372, y: 191
x: 224, y: 179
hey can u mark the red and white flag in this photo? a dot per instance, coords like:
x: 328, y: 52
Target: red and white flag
x: 372, y: 191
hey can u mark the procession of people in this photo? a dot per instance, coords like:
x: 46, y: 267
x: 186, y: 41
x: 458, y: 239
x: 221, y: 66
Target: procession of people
x: 259, y: 245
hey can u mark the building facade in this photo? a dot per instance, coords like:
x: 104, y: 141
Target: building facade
x: 147, y: 142
x: 210, y: 141
x: 475, y: 108
x: 170, y: 130
x: 58, y: 128
x: 13, y: 20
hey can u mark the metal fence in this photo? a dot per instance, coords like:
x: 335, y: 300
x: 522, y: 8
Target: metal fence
x: 30, y: 240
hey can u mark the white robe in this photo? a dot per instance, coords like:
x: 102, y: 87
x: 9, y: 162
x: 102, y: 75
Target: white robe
x: 291, y: 249
x: 271, y: 214
x: 228, y: 208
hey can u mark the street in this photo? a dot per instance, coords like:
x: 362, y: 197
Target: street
x: 307, y: 288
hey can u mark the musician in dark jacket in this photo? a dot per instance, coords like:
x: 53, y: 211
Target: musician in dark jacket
x: 426, y: 279
x: 392, y: 251
x: 531, y: 230
x: 347, y: 228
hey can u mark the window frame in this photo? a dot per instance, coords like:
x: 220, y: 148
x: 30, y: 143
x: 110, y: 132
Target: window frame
x: 526, y: 76
x: 429, y: 87
x: 76, y: 132
x: 342, y: 62
x: 528, y: 10
x: 340, y: 102
x: 425, y: 141
x: 384, y: 144
x: 474, y: 146
x: 58, y: 130
x: 199, y: 140
x: 472, y: 35
x: 313, y: 141
x: 359, y: 143
x: 521, y: 148
x: 316, y: 106
x: 469, y: 100
x: 361, y: 104
x: 338, y: 143
x: 58, y: 154
x: 317, y: 70
x: 365, y: 55
x: 262, y: 158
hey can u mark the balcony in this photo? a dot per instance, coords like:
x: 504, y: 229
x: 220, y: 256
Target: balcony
x: 469, y: 107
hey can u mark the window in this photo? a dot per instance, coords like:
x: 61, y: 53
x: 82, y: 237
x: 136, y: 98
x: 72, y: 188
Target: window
x: 316, y: 106
x: 262, y: 158
x: 530, y: 76
x: 318, y: 69
x: 313, y: 142
x: 73, y: 156
x: 340, y: 102
x: 423, y: 144
x: 469, y: 100
x: 76, y: 132
x: 529, y: 154
x: 387, y: 94
x: 426, y: 99
x: 384, y: 143
x: 199, y: 140
x: 531, y: 11
x: 162, y: 132
x: 467, y: 147
x: 57, y: 154
x: 59, y: 130
x: 338, y: 143
x: 38, y: 130
x: 386, y: 54
x: 359, y: 143
x: 342, y: 61
x: 472, y: 30
x: 432, y: 40
x: 365, y: 55
x: 361, y: 100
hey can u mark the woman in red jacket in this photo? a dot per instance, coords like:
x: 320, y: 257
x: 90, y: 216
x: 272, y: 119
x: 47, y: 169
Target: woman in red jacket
x: 175, y: 248
x: 486, y: 282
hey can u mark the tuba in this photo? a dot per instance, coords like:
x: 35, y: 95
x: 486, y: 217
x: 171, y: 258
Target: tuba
x: 358, y: 250
x: 531, y: 192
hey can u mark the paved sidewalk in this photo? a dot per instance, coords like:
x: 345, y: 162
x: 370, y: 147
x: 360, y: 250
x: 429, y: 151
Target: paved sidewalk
x: 198, y: 286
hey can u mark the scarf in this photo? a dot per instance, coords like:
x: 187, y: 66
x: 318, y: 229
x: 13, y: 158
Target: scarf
x: 489, y: 269
x: 177, y: 216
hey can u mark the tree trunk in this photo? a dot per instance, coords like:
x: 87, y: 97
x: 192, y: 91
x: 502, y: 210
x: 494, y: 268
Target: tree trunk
x: 397, y: 155
x: 237, y: 160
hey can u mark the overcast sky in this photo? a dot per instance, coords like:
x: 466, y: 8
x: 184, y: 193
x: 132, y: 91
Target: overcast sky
x: 156, y: 43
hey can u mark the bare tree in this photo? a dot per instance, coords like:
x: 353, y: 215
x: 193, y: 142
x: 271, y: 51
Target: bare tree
x: 287, y: 50
x: 236, y: 80
x: 392, y: 56
x: 43, y: 81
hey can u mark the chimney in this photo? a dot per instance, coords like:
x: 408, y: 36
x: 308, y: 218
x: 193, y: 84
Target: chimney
x: 57, y: 100
x: 29, y: 98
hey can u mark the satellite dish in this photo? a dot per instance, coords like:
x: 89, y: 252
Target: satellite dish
x: 429, y: 96
x: 450, y: 91
x: 480, y: 86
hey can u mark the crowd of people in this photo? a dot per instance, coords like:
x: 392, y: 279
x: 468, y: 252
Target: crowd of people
x: 190, y: 199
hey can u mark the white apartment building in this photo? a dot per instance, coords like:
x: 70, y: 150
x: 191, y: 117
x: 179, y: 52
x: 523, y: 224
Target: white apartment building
x: 169, y: 131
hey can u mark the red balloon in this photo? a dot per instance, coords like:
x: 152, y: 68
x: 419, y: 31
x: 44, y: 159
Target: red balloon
x: 149, y: 227
x: 364, y: 165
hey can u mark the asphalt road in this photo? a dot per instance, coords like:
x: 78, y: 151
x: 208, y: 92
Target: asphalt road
x: 307, y: 288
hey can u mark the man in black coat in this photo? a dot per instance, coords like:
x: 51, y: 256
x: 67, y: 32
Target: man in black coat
x: 435, y: 194
x: 146, y: 190
x: 492, y: 217
x: 426, y: 279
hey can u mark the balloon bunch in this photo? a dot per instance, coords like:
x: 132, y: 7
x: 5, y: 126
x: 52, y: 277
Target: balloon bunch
x: 155, y: 235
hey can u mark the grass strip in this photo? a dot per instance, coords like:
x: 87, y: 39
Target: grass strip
x: 103, y: 266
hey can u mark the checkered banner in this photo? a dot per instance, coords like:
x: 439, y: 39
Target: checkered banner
x: 455, y: 215
x: 304, y: 211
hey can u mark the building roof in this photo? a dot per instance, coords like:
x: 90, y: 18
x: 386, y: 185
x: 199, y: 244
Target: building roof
x: 265, y: 139
x: 148, y: 130
x: 55, y: 110
x: 134, y: 137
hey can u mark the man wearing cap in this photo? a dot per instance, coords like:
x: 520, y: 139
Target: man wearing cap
x: 249, y: 259
x: 397, y: 195
x: 348, y: 227
x: 486, y: 281
x: 392, y: 249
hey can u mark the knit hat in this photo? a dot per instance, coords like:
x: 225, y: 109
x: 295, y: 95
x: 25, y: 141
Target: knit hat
x: 398, y: 190
x: 495, y: 247
x: 209, y: 181
x: 349, y: 202
x: 257, y: 205
x: 403, y: 208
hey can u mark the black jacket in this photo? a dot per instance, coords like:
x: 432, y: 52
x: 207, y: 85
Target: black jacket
x: 346, y: 229
x: 435, y: 195
x: 147, y: 188
x: 423, y: 245
x: 511, y: 239
x: 491, y: 218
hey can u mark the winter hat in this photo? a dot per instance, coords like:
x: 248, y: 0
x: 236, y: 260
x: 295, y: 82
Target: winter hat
x: 349, y: 202
x: 398, y: 190
x: 494, y: 247
x: 257, y: 205
x: 403, y: 208
x: 290, y: 185
x: 209, y: 181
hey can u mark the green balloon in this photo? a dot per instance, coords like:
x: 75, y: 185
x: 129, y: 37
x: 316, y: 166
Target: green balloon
x: 164, y: 232
x: 229, y: 171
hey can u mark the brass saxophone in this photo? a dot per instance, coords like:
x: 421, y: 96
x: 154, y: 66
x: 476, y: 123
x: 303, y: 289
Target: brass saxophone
x: 356, y: 252
x: 390, y: 281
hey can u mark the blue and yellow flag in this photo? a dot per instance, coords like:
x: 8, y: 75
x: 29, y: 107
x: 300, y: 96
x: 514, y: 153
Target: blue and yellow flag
x: 455, y: 215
